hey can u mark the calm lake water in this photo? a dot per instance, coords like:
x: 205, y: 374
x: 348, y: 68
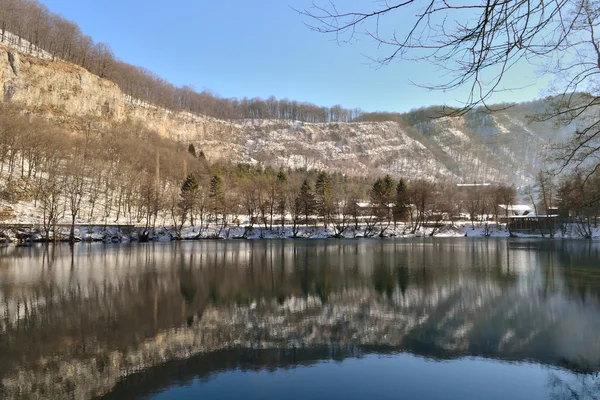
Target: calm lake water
x: 423, y: 318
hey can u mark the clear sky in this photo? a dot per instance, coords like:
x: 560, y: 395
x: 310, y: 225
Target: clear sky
x: 242, y: 48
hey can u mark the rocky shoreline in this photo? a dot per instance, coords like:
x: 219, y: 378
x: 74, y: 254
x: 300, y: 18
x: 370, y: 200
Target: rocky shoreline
x: 126, y: 234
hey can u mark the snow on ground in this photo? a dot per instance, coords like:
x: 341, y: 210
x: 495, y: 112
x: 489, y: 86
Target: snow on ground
x: 24, y: 219
x: 501, y: 128
x: 167, y: 233
x: 343, y: 147
x: 23, y: 46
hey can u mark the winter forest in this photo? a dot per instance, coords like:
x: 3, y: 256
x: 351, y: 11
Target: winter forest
x: 132, y: 176
x: 126, y: 174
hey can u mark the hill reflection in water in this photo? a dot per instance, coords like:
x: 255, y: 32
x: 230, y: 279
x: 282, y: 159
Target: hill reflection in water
x: 76, y: 322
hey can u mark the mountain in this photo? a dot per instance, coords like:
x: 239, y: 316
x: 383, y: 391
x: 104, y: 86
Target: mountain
x: 503, y: 146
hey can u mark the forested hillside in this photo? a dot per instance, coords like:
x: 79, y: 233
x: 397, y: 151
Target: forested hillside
x: 52, y: 36
x: 85, y: 137
x: 58, y: 72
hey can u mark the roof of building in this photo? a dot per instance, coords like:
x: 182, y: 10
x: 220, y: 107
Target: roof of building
x: 516, y: 207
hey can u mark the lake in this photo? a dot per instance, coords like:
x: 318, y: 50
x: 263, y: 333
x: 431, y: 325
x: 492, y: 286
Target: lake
x: 302, y: 319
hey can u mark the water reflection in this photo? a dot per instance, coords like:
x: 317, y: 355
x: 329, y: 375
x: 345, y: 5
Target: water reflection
x: 350, y: 373
x: 75, y: 320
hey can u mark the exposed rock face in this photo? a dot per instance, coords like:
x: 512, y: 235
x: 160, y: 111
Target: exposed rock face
x: 58, y: 88
x: 72, y: 96
x: 478, y: 146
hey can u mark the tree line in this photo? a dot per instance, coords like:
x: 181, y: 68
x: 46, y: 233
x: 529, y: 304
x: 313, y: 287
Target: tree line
x: 34, y: 28
x: 575, y: 196
x: 43, y: 30
x: 127, y: 173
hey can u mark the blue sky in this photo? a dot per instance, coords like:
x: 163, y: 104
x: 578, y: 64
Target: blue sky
x: 239, y: 48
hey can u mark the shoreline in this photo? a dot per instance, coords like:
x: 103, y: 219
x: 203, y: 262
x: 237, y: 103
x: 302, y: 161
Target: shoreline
x: 89, y: 233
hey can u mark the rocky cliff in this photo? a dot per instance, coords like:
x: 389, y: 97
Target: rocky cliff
x: 503, y: 146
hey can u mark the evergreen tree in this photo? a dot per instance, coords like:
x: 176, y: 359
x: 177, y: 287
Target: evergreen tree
x: 306, y: 198
x: 324, y: 197
x: 189, y: 185
x: 282, y: 181
x: 382, y: 193
x: 188, y: 196
x: 401, y: 201
x: 382, y: 196
x: 216, y: 193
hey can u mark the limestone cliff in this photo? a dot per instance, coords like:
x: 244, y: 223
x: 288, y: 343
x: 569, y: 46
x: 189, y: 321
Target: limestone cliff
x: 73, y: 97
x: 502, y: 147
x: 63, y: 91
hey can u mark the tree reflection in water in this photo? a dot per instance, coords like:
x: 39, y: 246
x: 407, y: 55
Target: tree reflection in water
x: 93, y: 313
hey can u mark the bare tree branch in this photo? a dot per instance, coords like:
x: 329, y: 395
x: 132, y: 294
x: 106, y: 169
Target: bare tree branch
x: 475, y: 45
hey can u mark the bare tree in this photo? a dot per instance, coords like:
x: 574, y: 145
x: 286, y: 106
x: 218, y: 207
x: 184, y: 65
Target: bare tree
x: 476, y: 43
x: 343, y: 202
x: 421, y: 195
x: 295, y: 206
x: 472, y: 204
x: 50, y: 195
x: 579, y: 200
x: 282, y: 195
x: 74, y: 186
x: 472, y: 41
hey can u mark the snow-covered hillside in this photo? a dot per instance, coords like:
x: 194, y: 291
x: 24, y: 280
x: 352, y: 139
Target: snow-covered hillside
x: 502, y: 147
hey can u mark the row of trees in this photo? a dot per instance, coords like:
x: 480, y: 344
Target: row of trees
x: 122, y: 173
x: 575, y: 196
x: 269, y: 198
x: 127, y: 174
x: 31, y: 26
x: 35, y: 29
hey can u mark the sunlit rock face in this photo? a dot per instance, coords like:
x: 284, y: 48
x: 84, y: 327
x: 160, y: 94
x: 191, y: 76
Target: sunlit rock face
x: 58, y: 89
x: 504, y: 146
x: 105, y: 312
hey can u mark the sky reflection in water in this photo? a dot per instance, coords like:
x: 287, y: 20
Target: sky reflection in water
x: 103, y: 312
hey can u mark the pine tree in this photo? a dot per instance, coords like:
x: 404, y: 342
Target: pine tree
x: 216, y: 193
x: 188, y: 196
x: 306, y: 199
x: 189, y: 185
x: 282, y: 181
x: 382, y: 195
x: 324, y: 197
x: 401, y: 201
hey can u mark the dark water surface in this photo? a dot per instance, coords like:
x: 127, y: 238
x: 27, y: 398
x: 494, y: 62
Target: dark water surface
x: 424, y: 318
